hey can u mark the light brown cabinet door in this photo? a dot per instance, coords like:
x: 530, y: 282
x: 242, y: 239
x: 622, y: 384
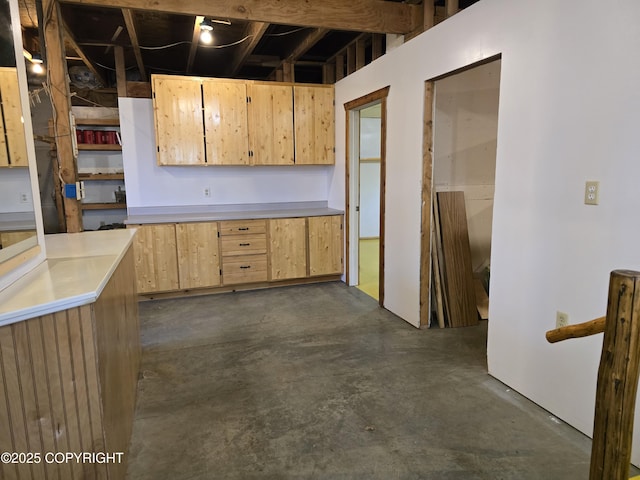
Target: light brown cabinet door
x: 314, y: 125
x: 325, y: 245
x: 288, y: 248
x: 15, y: 145
x: 198, y: 255
x: 271, y: 124
x: 156, y: 258
x: 177, y: 106
x: 225, y: 122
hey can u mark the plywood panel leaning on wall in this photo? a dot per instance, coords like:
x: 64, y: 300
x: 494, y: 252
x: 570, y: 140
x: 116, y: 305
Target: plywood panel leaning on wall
x: 457, y: 260
x: 325, y: 245
x: 198, y: 256
x: 177, y: 107
x: 225, y: 121
x: 16, y: 146
x: 156, y: 258
x: 271, y: 124
x: 314, y: 124
x: 288, y: 248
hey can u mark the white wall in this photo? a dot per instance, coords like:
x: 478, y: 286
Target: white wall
x: 465, y: 129
x: 569, y: 103
x: 149, y: 185
x: 15, y: 187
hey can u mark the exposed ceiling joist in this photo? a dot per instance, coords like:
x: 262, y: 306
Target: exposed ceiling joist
x: 131, y: 29
x: 68, y: 36
x: 194, y: 42
x: 255, y: 31
x: 309, y: 41
x: 375, y: 16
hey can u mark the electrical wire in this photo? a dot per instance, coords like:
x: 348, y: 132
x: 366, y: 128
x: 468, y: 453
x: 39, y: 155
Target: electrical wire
x: 282, y: 34
x: 162, y: 47
x: 170, y: 45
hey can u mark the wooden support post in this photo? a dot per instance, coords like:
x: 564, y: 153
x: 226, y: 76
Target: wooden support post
x: 60, y: 98
x: 339, y: 67
x: 429, y: 14
x: 376, y: 46
x: 328, y: 73
x: 279, y: 75
x: 451, y: 7
x: 121, y: 71
x: 617, y: 379
x: 288, y: 72
x: 360, y: 50
x: 351, y: 59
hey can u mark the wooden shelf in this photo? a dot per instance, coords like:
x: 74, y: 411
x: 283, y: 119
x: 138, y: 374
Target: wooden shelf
x: 100, y: 176
x: 103, y: 206
x: 105, y: 147
x: 112, y: 122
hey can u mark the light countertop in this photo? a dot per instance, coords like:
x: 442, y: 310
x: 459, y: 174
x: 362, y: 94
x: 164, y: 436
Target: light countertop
x: 212, y: 213
x: 77, y: 269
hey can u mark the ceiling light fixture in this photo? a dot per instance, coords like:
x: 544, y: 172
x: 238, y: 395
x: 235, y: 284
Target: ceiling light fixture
x: 205, y: 31
x: 36, y: 60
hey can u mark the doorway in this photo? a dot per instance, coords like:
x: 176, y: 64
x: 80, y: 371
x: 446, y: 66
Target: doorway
x: 366, y: 167
x: 459, y: 155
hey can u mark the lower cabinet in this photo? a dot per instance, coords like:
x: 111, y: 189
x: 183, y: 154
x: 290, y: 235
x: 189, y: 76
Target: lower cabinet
x: 198, y: 259
x: 243, y: 245
x: 156, y: 258
x: 184, y: 256
x: 325, y: 245
x: 288, y: 248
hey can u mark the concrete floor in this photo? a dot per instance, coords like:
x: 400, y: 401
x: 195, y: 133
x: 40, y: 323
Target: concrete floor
x: 317, y: 382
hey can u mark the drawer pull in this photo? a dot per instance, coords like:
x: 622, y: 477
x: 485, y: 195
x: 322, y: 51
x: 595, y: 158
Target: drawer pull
x: 243, y: 228
x: 245, y: 266
x: 244, y: 244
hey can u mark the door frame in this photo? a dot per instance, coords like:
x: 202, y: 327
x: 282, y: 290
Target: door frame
x: 350, y: 108
x: 427, y: 186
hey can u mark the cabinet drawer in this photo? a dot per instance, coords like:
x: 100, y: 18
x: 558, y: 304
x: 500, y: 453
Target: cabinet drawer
x: 244, y: 269
x: 242, y: 227
x: 243, y: 245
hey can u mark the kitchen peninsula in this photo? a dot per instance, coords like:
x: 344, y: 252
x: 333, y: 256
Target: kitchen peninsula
x: 70, y: 355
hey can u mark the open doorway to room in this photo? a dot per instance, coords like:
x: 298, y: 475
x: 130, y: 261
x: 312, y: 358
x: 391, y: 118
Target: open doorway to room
x: 366, y: 133
x: 460, y: 141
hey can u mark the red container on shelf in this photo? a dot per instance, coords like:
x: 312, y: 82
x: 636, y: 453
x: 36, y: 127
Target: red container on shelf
x: 110, y: 137
x: 99, y: 136
x: 79, y: 136
x: 89, y: 136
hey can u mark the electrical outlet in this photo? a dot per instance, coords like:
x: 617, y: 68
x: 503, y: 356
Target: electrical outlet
x: 562, y: 319
x: 207, y: 192
x: 591, y: 193
x: 24, y: 197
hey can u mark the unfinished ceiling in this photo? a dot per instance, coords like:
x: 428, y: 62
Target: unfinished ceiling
x: 253, y: 39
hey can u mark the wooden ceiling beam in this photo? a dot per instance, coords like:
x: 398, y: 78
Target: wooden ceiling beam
x: 374, y: 16
x: 69, y: 38
x: 313, y: 37
x: 133, y: 36
x: 194, y: 42
x: 255, y: 31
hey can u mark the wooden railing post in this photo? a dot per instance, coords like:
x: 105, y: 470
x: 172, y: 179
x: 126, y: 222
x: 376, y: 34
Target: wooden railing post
x: 617, y: 380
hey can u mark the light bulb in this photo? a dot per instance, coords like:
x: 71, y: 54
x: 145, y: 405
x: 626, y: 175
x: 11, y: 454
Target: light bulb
x: 206, y: 37
x: 37, y: 68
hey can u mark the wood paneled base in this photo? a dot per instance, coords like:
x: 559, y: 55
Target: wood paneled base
x: 68, y: 383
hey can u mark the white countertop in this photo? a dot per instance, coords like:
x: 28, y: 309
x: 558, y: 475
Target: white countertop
x: 77, y: 269
x: 212, y: 213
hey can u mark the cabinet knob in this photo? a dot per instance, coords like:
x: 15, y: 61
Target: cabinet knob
x: 245, y: 266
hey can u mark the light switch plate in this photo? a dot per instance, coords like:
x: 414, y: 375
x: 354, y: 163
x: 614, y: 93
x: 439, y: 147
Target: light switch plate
x: 591, y: 193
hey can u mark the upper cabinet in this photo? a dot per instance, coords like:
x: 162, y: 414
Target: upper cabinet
x: 238, y: 122
x: 225, y: 122
x: 13, y: 147
x: 315, y: 131
x: 271, y: 124
x: 177, y: 106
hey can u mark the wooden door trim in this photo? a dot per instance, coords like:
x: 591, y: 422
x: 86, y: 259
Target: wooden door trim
x: 379, y: 95
x: 427, y: 181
